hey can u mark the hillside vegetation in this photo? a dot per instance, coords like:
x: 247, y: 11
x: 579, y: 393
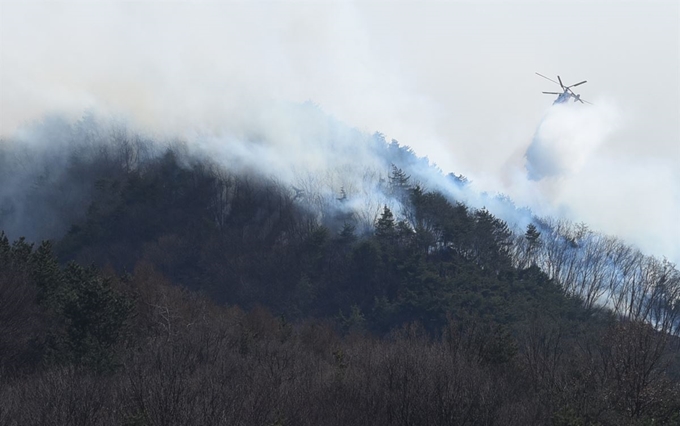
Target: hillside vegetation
x: 171, y: 289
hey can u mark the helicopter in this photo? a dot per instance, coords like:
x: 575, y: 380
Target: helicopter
x: 567, y: 93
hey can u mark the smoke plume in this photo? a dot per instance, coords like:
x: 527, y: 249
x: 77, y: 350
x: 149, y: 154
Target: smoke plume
x: 232, y: 80
x: 566, y: 137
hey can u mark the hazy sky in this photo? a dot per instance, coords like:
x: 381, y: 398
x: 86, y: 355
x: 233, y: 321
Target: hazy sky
x: 453, y: 80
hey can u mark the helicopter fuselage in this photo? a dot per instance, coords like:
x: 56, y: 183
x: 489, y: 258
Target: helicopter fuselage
x: 563, y: 98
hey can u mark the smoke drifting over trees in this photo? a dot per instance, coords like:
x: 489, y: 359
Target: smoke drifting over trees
x: 186, y: 237
x: 410, y: 72
x: 57, y: 174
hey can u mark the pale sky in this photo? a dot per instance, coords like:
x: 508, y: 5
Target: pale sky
x: 453, y: 80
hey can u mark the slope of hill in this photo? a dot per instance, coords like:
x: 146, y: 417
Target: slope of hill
x: 375, y: 287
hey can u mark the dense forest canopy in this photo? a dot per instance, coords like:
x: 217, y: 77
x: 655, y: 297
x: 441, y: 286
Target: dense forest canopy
x: 179, y: 283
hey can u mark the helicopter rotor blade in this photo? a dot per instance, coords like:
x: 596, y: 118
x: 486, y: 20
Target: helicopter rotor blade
x: 547, y: 78
x: 552, y: 93
x: 577, y: 84
x: 558, y: 77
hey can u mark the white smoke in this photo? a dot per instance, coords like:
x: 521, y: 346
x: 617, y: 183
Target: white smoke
x: 569, y: 172
x: 566, y: 138
x: 224, y: 76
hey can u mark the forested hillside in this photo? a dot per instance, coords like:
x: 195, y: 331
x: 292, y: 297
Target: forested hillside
x: 172, y: 288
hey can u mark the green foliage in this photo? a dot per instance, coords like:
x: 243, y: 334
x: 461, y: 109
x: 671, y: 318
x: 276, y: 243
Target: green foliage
x: 399, y: 186
x: 532, y: 235
x: 384, y: 227
x: 47, y: 275
x: 491, y: 242
x: 93, y: 316
x: 83, y: 316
